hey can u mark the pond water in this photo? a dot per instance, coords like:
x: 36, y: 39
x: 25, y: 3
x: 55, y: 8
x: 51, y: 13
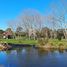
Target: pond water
x: 32, y: 57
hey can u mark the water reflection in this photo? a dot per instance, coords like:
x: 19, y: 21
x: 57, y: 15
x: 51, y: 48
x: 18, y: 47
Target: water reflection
x: 31, y: 57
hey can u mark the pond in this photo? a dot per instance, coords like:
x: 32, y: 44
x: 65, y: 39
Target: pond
x: 32, y: 57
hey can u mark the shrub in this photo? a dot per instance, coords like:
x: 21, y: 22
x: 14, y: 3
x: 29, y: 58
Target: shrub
x: 42, y: 41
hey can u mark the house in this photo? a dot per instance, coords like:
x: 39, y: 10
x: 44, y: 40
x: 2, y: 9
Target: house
x: 32, y: 33
x: 8, y: 35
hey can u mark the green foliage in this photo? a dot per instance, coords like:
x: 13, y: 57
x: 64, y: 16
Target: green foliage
x: 42, y: 41
x: 59, y: 37
x: 61, y: 44
x: 51, y: 44
x: 60, y: 34
x: 46, y: 40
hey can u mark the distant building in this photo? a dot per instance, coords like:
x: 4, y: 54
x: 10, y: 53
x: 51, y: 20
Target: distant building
x: 32, y: 33
x: 8, y: 35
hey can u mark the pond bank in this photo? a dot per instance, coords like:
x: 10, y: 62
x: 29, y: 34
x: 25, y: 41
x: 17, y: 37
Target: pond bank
x: 47, y: 46
x: 52, y: 43
x: 51, y: 47
x: 5, y: 46
x: 10, y: 46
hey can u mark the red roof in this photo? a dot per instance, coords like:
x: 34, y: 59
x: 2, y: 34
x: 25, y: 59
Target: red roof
x: 7, y: 33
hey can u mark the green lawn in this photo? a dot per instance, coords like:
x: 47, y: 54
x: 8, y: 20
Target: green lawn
x: 55, y: 42
x: 19, y: 41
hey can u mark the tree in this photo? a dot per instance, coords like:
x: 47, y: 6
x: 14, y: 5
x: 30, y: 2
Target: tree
x: 19, y: 31
x: 45, y: 32
x: 64, y: 5
x: 60, y: 34
x: 31, y: 19
x: 13, y: 24
x: 1, y: 33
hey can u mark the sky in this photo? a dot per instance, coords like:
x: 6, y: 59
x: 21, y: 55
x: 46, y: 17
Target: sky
x: 10, y: 9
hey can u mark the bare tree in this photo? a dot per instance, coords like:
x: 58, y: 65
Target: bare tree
x: 56, y: 18
x: 31, y: 19
x: 64, y: 5
x: 12, y: 24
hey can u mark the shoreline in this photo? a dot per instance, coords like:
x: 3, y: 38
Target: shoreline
x: 51, y: 47
x: 46, y: 47
x: 52, y: 43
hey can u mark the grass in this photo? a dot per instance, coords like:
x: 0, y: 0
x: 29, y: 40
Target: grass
x: 19, y: 41
x: 55, y: 42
